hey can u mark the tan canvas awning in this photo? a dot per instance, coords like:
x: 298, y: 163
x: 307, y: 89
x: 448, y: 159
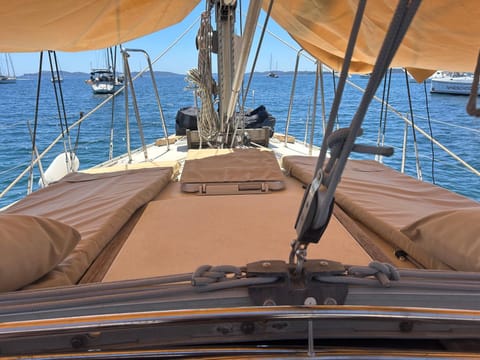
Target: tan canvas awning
x: 73, y: 25
x: 443, y: 35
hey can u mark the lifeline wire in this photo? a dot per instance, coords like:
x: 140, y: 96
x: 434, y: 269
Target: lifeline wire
x: 35, y: 123
x: 415, y: 143
x: 430, y: 129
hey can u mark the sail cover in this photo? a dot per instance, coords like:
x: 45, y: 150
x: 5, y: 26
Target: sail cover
x: 443, y: 35
x: 73, y: 25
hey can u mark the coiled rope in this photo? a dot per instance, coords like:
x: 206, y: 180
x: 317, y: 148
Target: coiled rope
x: 202, y: 80
x: 207, y: 118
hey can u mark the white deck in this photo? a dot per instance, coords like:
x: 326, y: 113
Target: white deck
x: 177, y: 152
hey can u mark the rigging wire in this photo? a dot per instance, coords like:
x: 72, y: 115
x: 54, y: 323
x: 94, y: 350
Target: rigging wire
x: 380, y: 120
x: 110, y: 151
x: 77, y: 140
x: 252, y: 18
x: 40, y: 167
x: 62, y: 115
x: 427, y: 108
x: 386, y: 112
x: 242, y: 94
x: 414, y: 132
x: 382, y: 126
x: 113, y: 54
x: 337, y: 122
x: 260, y: 41
x: 341, y: 85
x: 35, y: 124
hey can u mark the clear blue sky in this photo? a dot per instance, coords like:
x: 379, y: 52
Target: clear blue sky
x: 180, y: 58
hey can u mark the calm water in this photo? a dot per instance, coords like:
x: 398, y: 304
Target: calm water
x: 449, y: 123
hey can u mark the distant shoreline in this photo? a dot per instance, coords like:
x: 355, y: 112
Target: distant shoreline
x: 168, y: 73
x: 164, y: 73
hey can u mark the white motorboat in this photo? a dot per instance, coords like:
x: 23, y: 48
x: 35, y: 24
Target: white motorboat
x: 446, y: 82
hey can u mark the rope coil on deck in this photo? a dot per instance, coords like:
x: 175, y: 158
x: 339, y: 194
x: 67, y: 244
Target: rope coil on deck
x: 384, y: 272
x: 213, y: 278
x: 207, y: 274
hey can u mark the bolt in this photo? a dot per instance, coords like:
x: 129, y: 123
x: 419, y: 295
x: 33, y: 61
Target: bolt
x: 405, y: 326
x: 329, y: 301
x: 78, y: 342
x: 310, y: 301
x: 247, y: 328
x: 269, y: 302
x: 266, y: 264
x: 224, y: 330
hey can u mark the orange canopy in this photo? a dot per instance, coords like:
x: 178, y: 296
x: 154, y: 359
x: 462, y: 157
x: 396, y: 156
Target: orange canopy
x: 77, y: 25
x: 444, y: 33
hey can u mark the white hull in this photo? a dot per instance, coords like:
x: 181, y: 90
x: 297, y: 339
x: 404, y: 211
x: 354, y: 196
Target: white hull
x: 452, y: 85
x: 7, y: 80
x: 104, y: 88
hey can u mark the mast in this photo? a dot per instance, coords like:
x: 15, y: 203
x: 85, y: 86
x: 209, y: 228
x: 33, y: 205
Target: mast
x: 225, y: 19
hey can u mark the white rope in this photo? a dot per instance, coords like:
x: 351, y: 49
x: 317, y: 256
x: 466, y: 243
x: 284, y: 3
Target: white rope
x: 202, y: 81
x: 207, y: 117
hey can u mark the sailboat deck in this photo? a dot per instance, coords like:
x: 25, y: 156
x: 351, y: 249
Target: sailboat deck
x: 138, y: 221
x: 179, y: 232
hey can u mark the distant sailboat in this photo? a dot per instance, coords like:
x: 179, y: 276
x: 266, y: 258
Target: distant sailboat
x: 7, y: 72
x: 57, y: 78
x: 106, y: 80
x: 272, y: 74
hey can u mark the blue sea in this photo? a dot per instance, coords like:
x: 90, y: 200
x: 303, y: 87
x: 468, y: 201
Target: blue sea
x: 447, y: 121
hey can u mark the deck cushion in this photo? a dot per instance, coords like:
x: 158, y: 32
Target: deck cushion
x: 30, y: 247
x: 393, y: 205
x: 451, y: 236
x: 232, y: 171
x: 97, y: 205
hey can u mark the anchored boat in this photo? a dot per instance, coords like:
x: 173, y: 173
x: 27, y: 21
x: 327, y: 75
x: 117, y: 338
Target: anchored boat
x: 7, y: 72
x: 445, y: 82
x: 232, y: 241
x: 106, y: 80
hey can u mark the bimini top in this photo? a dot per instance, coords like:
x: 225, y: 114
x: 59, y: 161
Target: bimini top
x: 443, y: 35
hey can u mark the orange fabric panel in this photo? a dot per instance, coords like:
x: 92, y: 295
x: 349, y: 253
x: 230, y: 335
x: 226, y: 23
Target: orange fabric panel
x: 72, y: 25
x: 443, y: 34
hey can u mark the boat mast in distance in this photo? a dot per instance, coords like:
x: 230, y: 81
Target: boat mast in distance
x: 7, y: 72
x: 272, y: 74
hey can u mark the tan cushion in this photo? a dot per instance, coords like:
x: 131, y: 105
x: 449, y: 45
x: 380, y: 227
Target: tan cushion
x: 30, y: 247
x: 234, y: 166
x: 392, y: 204
x: 97, y: 205
x: 451, y: 236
